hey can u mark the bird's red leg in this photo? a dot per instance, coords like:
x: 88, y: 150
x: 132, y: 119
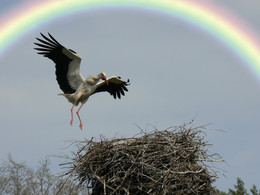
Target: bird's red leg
x: 80, y: 125
x: 71, y: 110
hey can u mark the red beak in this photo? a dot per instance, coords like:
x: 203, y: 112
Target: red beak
x: 105, y: 79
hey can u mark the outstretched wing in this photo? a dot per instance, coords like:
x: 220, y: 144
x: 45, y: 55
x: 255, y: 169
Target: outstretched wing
x: 67, y: 63
x: 116, y: 87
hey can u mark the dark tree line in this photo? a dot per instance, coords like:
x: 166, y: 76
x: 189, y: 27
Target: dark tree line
x: 19, y: 179
x: 16, y: 178
x: 239, y: 189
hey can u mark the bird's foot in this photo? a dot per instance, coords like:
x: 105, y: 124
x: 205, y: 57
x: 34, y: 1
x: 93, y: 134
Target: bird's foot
x: 71, y: 122
x: 81, y: 125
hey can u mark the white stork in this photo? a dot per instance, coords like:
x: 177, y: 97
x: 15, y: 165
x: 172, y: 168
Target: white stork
x: 77, y: 89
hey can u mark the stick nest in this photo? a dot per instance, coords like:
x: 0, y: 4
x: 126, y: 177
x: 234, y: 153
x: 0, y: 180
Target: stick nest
x: 172, y: 161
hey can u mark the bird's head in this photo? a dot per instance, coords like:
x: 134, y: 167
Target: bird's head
x: 102, y: 75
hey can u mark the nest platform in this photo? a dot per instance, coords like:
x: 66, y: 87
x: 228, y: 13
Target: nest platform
x: 171, y: 161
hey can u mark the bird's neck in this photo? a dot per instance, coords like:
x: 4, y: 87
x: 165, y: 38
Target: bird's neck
x: 92, y: 80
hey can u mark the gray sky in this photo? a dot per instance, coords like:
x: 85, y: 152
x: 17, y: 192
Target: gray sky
x: 177, y: 72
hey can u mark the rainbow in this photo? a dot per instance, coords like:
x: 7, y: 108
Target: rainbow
x: 206, y: 16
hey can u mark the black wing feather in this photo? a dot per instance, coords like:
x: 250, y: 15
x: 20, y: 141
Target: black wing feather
x: 115, y: 89
x: 52, y: 49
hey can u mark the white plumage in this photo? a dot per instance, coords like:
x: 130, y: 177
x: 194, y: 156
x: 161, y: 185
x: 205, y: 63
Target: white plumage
x: 77, y: 89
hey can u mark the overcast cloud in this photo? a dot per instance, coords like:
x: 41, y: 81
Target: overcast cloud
x: 177, y: 72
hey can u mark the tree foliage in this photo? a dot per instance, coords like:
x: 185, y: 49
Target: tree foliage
x: 19, y: 179
x: 239, y: 189
x: 254, y: 191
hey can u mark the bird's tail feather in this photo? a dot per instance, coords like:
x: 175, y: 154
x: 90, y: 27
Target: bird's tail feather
x: 69, y: 97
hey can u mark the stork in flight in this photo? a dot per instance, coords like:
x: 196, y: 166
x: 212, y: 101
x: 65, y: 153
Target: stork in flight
x: 77, y: 89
